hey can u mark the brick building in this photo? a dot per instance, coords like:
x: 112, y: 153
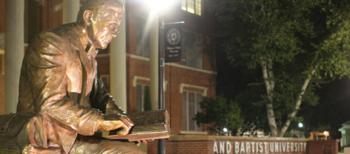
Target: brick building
x: 186, y: 82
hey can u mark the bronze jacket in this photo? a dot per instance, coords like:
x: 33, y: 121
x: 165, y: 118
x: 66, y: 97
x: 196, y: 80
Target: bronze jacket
x: 58, y: 85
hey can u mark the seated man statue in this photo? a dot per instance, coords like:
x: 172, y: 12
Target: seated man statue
x: 59, y: 87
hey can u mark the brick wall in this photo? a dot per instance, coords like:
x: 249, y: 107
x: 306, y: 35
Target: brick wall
x: 2, y: 16
x: 135, y: 68
x: 206, y: 144
x: 192, y: 147
x: 177, y: 76
x: 322, y: 147
x: 174, y: 76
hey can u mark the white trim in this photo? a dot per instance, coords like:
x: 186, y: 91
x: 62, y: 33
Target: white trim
x: 191, y: 68
x: 192, y: 132
x: 133, y: 56
x: 137, y: 78
x: 184, y: 85
x: 187, y: 112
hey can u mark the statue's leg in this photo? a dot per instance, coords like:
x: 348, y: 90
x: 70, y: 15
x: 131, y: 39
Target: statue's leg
x: 82, y: 146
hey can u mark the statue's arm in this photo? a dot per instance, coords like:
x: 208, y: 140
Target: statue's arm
x: 47, y: 63
x: 103, y: 100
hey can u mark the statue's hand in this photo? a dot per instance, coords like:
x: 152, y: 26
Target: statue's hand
x: 144, y: 141
x: 123, y: 125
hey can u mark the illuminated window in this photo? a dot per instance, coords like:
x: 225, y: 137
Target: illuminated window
x: 2, y: 64
x: 105, y: 80
x: 198, y: 7
x: 143, y: 99
x: 183, y: 4
x: 192, y: 6
x: 2, y: 53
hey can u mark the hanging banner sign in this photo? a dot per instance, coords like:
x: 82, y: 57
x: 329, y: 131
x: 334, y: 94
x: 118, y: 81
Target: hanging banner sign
x: 173, y: 40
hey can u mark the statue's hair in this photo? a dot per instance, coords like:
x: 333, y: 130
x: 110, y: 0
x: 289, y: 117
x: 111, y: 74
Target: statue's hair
x: 95, y: 5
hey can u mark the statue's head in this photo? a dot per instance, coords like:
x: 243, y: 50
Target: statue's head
x: 101, y: 20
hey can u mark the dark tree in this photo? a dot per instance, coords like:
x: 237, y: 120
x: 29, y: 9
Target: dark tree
x: 293, y: 45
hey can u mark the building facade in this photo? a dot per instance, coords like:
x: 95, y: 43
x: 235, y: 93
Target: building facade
x: 186, y: 82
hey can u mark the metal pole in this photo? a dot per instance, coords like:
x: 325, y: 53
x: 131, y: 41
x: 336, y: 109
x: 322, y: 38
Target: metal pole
x: 161, y: 143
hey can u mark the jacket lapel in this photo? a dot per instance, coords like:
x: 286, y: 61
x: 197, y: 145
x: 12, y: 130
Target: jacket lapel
x: 78, y: 48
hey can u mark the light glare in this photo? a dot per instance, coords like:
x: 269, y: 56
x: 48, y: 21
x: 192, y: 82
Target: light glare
x: 159, y: 5
x: 225, y: 130
x: 300, y: 125
x: 326, y: 133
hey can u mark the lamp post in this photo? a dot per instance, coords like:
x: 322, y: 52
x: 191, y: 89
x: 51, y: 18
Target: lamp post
x: 161, y: 67
x: 170, y: 36
x: 157, y: 9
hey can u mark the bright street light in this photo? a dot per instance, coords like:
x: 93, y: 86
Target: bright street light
x: 300, y: 125
x: 326, y: 133
x: 159, y: 5
x: 225, y: 130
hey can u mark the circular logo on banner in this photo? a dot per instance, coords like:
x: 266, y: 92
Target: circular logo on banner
x: 173, y: 36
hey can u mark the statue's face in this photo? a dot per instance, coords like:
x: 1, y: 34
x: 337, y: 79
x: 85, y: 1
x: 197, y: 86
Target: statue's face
x: 104, y: 26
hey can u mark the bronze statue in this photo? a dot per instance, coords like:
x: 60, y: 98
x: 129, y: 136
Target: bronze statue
x: 60, y: 94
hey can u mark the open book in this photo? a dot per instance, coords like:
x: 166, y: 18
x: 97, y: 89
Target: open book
x: 148, y: 125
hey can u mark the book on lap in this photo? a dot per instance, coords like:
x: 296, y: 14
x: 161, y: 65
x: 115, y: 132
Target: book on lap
x: 149, y: 125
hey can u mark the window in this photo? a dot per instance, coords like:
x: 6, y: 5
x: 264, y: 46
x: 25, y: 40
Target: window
x: 2, y: 55
x: 143, y: 99
x: 192, y: 54
x: 192, y: 6
x: 142, y: 35
x: 105, y: 80
x: 190, y: 106
x: 2, y: 64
